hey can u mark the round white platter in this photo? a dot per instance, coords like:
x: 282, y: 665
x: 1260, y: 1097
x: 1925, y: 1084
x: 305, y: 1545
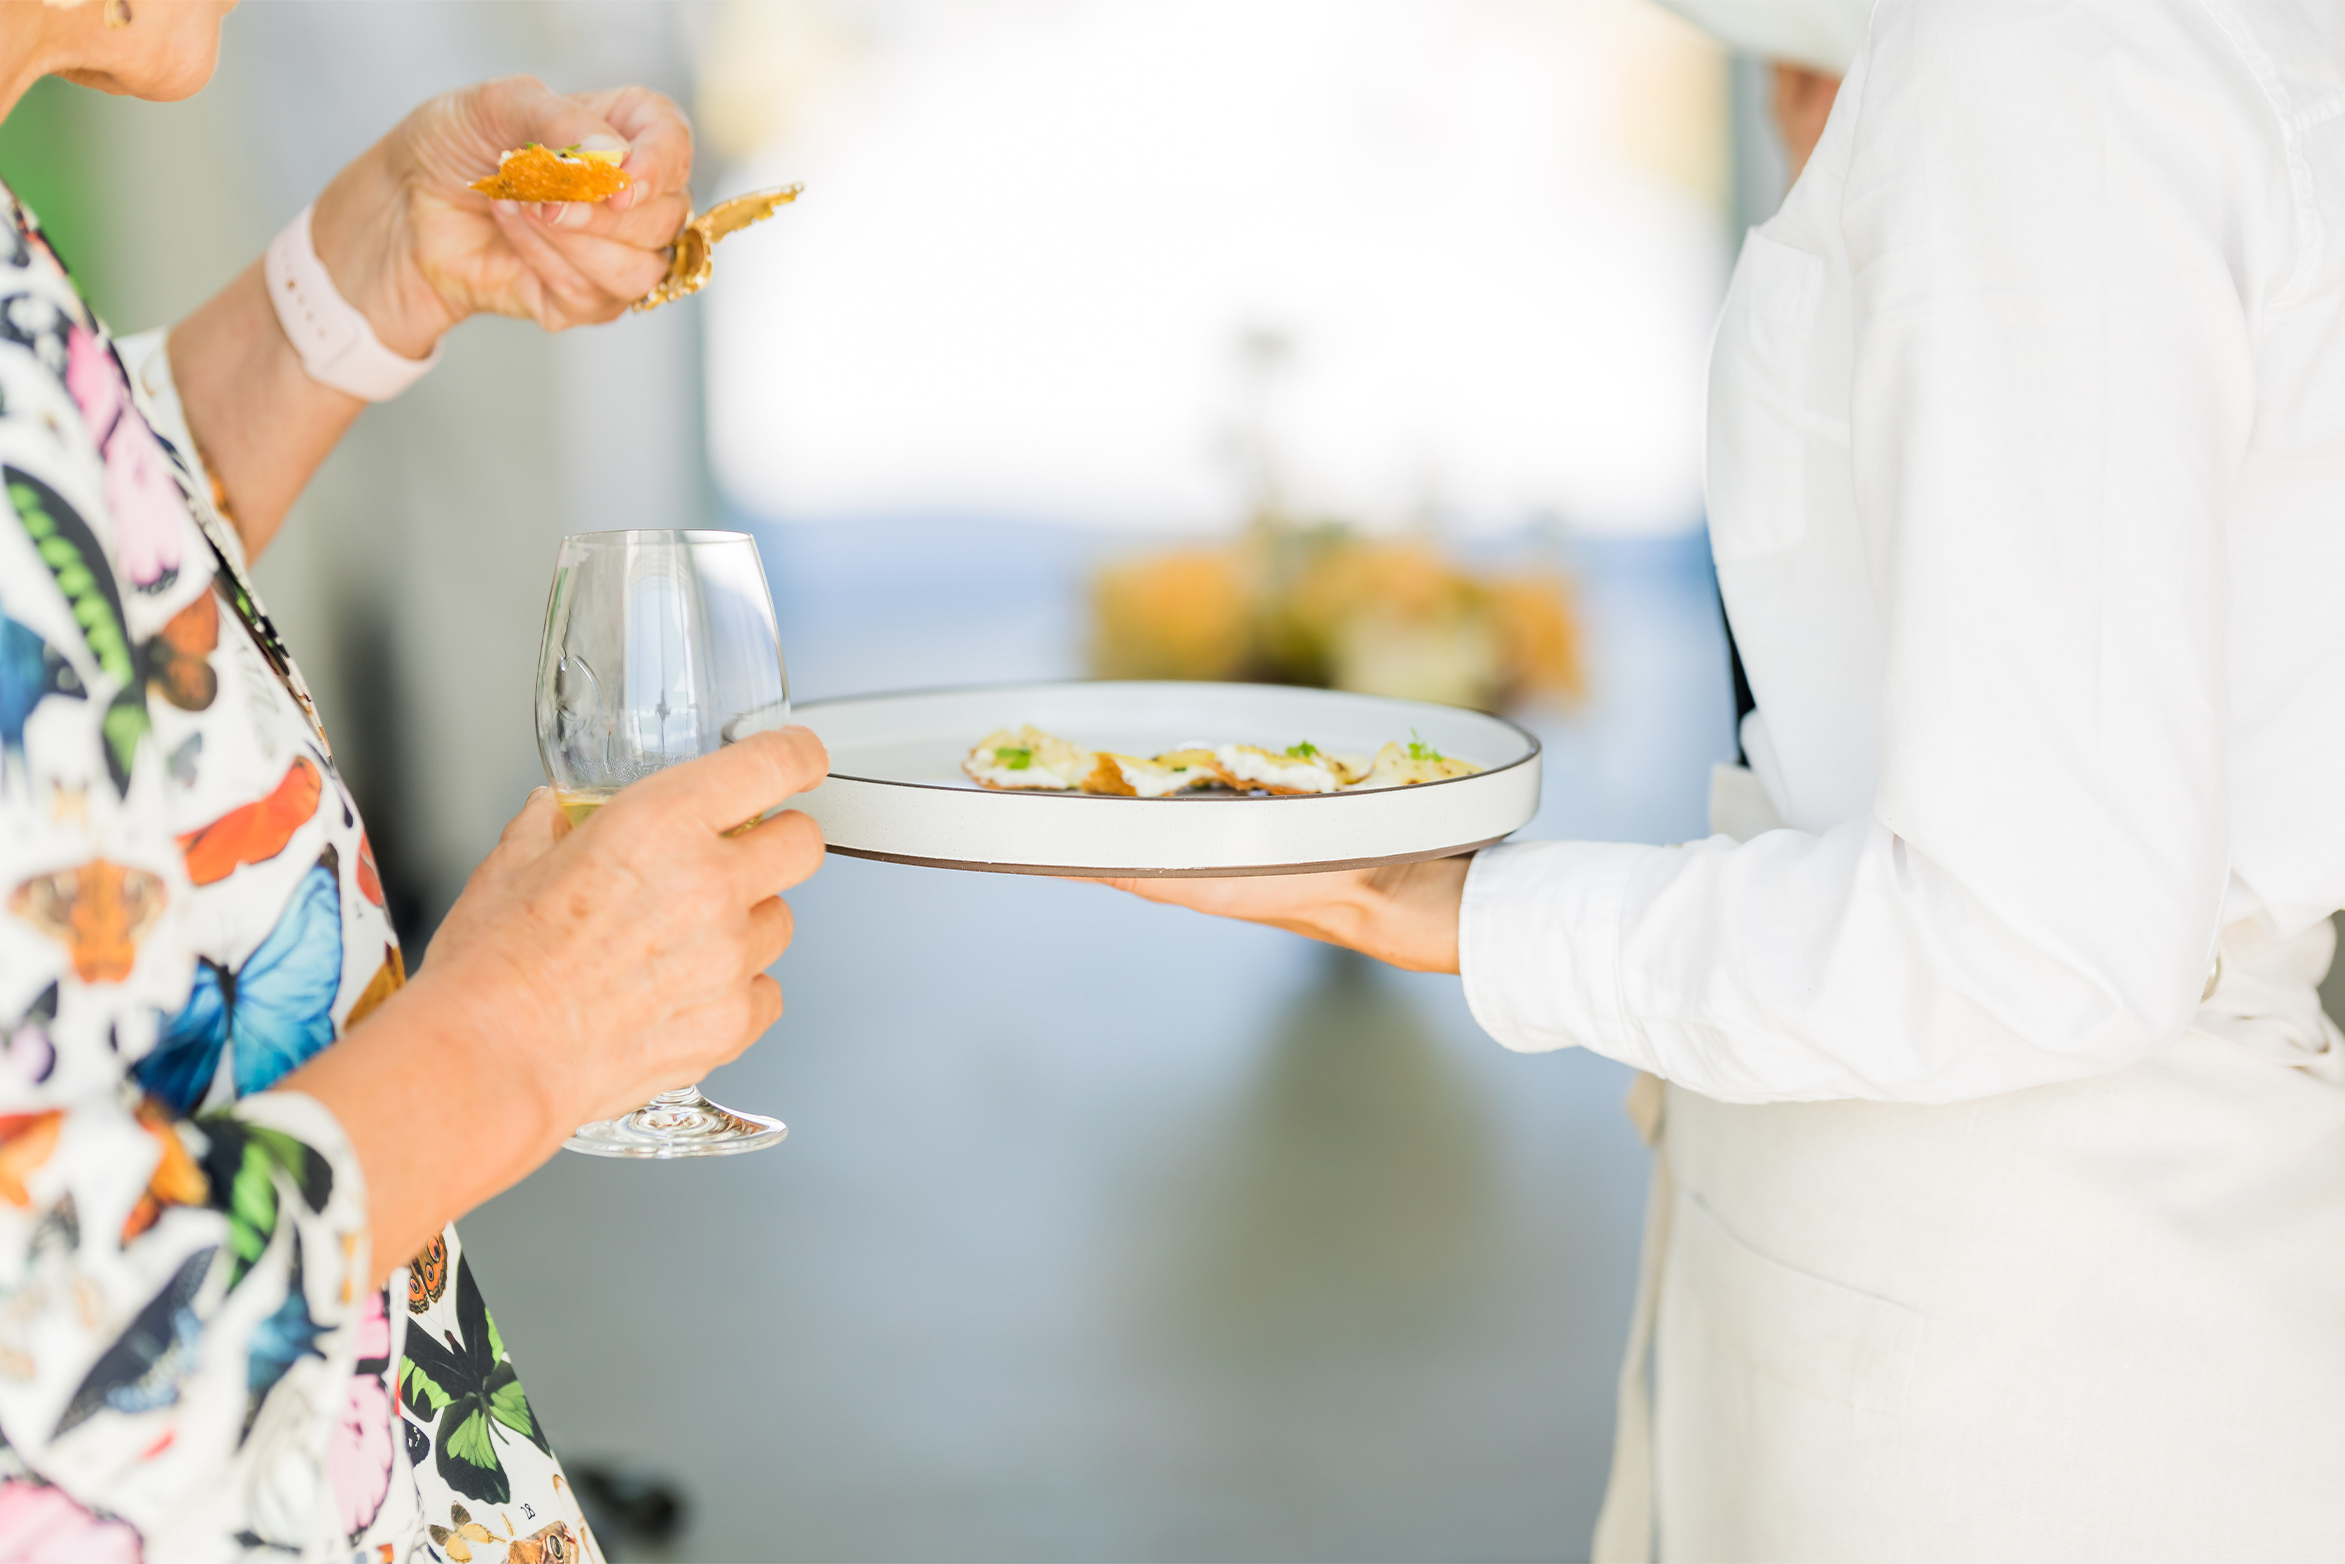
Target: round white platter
x: 896, y: 790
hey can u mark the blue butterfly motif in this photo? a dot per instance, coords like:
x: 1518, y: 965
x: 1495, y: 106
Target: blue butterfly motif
x: 285, y: 1337
x: 277, y: 1009
x: 143, y: 1368
x: 31, y: 670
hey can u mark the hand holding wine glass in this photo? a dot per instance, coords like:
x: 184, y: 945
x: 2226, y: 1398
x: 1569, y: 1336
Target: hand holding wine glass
x: 628, y: 957
x: 660, y: 649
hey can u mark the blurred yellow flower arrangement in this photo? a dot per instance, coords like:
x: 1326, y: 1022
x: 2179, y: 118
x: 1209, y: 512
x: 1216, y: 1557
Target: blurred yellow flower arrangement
x: 1322, y: 605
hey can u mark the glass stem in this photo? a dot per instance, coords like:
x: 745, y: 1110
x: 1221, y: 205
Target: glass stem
x: 681, y: 1097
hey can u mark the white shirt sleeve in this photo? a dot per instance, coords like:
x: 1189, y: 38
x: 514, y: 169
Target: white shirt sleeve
x: 2059, y: 225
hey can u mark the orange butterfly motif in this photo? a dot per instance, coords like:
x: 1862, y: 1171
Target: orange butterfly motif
x: 26, y: 1139
x: 179, y: 660
x: 256, y: 832
x: 97, y: 910
x: 552, y: 1544
x: 389, y: 978
x: 370, y: 878
x: 427, y: 1274
x: 176, y: 1181
x: 456, y: 1538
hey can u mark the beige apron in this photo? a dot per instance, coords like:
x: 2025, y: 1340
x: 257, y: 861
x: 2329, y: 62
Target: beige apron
x: 2100, y: 1320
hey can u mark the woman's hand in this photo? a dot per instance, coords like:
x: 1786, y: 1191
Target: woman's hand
x: 582, y: 971
x: 627, y: 955
x: 417, y: 250
x: 1406, y: 915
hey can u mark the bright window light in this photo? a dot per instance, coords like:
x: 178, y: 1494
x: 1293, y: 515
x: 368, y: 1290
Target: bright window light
x: 1136, y: 265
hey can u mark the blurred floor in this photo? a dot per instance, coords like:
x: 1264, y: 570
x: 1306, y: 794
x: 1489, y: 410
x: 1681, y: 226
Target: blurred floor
x: 1105, y: 1231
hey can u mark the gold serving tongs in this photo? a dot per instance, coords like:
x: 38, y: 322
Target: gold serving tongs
x: 692, y: 255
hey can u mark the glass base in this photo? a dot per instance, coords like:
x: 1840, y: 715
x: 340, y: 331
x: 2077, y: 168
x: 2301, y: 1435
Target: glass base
x: 680, y: 1123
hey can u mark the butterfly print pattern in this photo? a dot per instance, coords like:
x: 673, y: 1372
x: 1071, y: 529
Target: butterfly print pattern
x: 191, y: 1362
x: 26, y: 1046
x: 148, y: 512
x: 265, y: 1017
x: 26, y: 1139
x: 255, y: 832
x: 179, y: 658
x: 464, y: 1383
x: 97, y: 910
x: 176, y: 1181
x: 362, y: 1453
x: 63, y: 542
x: 31, y: 670
x: 427, y: 1276
x: 555, y: 1544
x: 33, y: 1510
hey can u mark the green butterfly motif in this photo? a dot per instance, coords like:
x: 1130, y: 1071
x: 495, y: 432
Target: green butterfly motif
x: 67, y: 546
x: 242, y: 1162
x: 473, y: 1390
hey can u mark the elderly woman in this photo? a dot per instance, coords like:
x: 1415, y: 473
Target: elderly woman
x: 227, y: 1118
x: 1999, y: 1208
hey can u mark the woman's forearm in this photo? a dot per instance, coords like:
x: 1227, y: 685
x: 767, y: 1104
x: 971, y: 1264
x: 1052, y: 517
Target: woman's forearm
x: 580, y: 972
x: 260, y: 423
x: 440, y: 1114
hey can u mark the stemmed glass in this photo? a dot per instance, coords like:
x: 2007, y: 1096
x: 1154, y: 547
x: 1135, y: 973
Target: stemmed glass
x: 659, y: 648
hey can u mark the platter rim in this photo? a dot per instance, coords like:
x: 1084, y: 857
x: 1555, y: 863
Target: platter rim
x: 1221, y: 872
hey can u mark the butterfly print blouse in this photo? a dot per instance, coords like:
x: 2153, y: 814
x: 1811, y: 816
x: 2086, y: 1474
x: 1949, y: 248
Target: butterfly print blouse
x: 191, y: 1364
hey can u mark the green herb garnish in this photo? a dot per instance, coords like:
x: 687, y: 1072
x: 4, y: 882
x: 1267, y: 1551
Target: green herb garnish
x: 570, y: 150
x: 1303, y: 751
x: 1420, y: 750
x: 1014, y: 759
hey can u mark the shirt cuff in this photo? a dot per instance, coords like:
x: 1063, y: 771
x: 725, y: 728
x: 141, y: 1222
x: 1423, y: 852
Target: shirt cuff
x: 1539, y: 944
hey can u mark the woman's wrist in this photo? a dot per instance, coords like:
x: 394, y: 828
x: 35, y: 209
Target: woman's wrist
x: 361, y: 227
x: 442, y: 1107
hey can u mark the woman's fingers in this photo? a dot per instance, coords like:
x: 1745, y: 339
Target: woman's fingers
x: 540, y: 824
x: 739, y: 782
x: 527, y: 837
x: 1406, y: 914
x: 659, y: 139
x: 658, y: 197
x: 617, y: 272
x: 1255, y: 898
x: 574, y: 279
x: 647, y: 227
x: 765, y: 1008
x: 559, y: 296
x: 688, y: 811
x: 559, y: 263
x: 771, y: 925
x: 518, y: 110
x: 778, y: 854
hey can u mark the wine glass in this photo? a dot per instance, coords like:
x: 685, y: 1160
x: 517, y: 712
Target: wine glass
x: 659, y: 648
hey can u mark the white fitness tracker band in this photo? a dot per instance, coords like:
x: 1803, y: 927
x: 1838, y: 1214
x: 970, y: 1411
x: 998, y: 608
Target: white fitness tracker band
x: 337, y: 346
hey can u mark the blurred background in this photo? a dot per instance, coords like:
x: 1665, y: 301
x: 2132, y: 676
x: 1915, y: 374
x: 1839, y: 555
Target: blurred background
x: 1341, y: 341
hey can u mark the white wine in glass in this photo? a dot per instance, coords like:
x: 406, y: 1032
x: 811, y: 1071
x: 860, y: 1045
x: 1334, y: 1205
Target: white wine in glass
x: 660, y: 647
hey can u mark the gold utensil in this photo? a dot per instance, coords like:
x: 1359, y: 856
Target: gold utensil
x: 692, y: 256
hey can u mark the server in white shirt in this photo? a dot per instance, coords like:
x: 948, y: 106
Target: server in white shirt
x: 1999, y: 1204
